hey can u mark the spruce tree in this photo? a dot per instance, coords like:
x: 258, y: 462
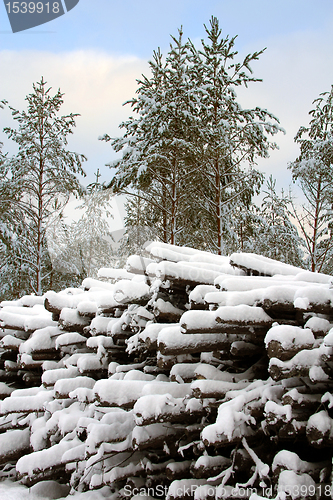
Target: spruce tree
x: 40, y: 177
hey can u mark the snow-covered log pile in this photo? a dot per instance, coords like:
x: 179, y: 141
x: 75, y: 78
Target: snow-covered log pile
x: 186, y: 373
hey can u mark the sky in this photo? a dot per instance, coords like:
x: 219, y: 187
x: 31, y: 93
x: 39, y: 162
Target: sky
x: 95, y: 52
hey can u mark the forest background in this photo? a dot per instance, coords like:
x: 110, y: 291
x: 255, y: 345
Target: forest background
x: 96, y: 66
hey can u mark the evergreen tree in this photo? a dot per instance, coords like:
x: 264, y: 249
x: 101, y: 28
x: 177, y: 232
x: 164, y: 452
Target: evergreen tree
x: 40, y: 178
x: 184, y: 150
x: 313, y: 172
x: 231, y: 137
x: 158, y: 142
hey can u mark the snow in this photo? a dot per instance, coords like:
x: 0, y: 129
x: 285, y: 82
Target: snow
x: 182, y: 371
x: 114, y: 274
x: 278, y: 412
x: 111, y: 430
x: 64, y: 386
x: 152, y: 407
x: 87, y: 308
x: 49, y: 490
x: 88, y: 283
x: 13, y: 442
x: 263, y: 265
x: 105, y: 429
x: 118, y: 392
x: 41, y: 460
x: 150, y: 333
x: 173, y: 388
x: 5, y: 390
x: 295, y: 484
x: 328, y: 340
x: 10, y: 341
x: 31, y: 300
x: 310, y: 295
x: 99, y: 325
x: 199, y: 321
x: 100, y: 340
x: 289, y: 336
x: 137, y: 264
x: 302, y: 362
x: 289, y: 460
x: 130, y: 291
x: 165, y: 253
x: 166, y: 307
x: 198, y: 294
x: 41, y: 340
x: 171, y: 339
x: 181, y: 488
x: 21, y: 404
x: 322, y: 422
x: 70, y: 317
x: 50, y: 377
x: 191, y: 273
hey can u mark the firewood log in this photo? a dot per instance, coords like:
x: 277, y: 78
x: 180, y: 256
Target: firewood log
x: 230, y: 319
x: 14, y: 444
x: 155, y: 435
x: 302, y: 400
x: 319, y: 430
x: 284, y: 341
x: 137, y: 264
x: 208, y: 466
x: 164, y: 408
x: 71, y: 321
x: 172, y: 342
x: 288, y: 460
x: 165, y: 312
x: 177, y: 470
x: 304, y: 363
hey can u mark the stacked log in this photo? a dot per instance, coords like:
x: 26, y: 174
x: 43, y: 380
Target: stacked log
x: 185, y: 374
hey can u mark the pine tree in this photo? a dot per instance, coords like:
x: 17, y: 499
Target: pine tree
x: 313, y: 172
x: 231, y: 137
x: 41, y: 177
x: 157, y: 144
x: 185, y: 149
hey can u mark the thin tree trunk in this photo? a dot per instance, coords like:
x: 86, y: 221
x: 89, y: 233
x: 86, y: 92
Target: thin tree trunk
x: 218, y: 207
x: 315, y: 228
x: 165, y: 222
x: 174, y: 203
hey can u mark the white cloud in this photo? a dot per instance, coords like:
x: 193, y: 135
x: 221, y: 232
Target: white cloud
x: 95, y: 86
x: 295, y: 68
